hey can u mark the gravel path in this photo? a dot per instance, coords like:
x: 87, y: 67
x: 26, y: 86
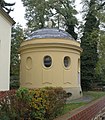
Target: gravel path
x: 82, y: 99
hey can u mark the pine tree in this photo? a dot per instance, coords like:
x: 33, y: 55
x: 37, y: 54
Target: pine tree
x: 100, y: 68
x: 89, y: 42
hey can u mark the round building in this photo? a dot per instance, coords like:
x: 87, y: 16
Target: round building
x: 51, y: 57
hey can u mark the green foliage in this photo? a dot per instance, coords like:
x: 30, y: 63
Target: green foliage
x: 7, y: 107
x: 100, y: 68
x: 14, y: 82
x: 71, y: 106
x: 61, y: 12
x: 56, y: 99
x: 36, y: 12
x: 94, y: 94
x: 38, y: 103
x: 17, y: 38
x: 93, y: 68
x: 66, y: 10
x: 23, y: 94
x: 23, y: 99
x: 89, y: 42
x: 34, y: 104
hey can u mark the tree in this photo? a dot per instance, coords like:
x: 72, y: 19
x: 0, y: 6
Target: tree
x: 35, y: 13
x: 89, y: 42
x: 17, y: 38
x: 100, y: 68
x: 65, y: 8
x: 61, y: 12
x: 4, y: 5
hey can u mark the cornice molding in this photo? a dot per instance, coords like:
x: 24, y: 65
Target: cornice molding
x: 7, y: 16
x: 50, y: 45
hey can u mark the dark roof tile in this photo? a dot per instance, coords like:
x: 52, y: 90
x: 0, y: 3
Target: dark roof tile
x: 50, y: 33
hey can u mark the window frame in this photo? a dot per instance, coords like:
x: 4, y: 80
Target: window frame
x: 68, y: 67
x: 43, y: 61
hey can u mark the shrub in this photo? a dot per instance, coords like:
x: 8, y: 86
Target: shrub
x: 33, y: 104
x: 23, y: 98
x: 7, y: 107
x: 35, y: 101
x: 12, y: 107
x: 56, y: 100
x: 45, y: 103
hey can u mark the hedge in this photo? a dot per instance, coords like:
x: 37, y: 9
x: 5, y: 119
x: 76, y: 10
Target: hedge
x: 33, y: 104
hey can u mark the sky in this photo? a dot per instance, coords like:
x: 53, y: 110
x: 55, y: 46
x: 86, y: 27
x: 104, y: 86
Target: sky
x: 19, y: 11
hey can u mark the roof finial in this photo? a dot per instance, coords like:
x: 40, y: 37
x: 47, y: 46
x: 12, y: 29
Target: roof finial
x: 50, y: 23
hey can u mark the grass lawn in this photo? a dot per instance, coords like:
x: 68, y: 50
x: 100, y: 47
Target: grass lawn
x: 79, y: 103
x: 72, y: 106
x: 94, y: 94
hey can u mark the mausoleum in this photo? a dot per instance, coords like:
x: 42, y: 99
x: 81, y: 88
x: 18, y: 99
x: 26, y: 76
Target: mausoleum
x: 51, y: 57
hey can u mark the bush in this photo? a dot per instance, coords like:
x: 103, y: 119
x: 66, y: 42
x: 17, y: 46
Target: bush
x: 14, y: 107
x: 33, y: 104
x: 23, y: 99
x: 36, y: 101
x: 56, y: 100
x: 7, y: 107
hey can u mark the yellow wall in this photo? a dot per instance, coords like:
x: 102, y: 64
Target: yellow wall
x: 34, y: 74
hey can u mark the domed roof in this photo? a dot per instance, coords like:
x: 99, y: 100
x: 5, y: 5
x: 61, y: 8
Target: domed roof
x: 50, y: 33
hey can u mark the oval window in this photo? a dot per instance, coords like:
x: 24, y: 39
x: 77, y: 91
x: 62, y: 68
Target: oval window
x: 47, y: 61
x: 66, y: 61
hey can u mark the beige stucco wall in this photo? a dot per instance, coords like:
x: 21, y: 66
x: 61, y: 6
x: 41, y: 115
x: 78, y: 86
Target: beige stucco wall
x: 5, y: 43
x: 33, y: 73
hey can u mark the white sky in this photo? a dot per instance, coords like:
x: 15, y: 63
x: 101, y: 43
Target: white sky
x: 19, y: 11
